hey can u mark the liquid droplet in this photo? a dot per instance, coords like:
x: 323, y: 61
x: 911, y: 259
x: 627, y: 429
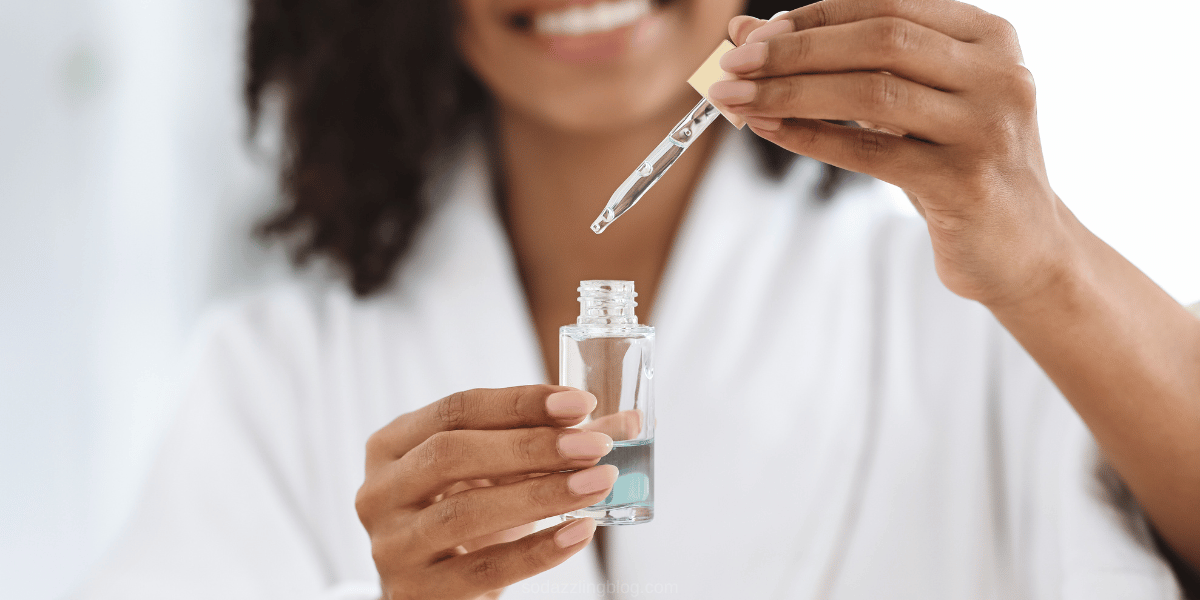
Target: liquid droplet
x: 608, y: 214
x: 645, y: 170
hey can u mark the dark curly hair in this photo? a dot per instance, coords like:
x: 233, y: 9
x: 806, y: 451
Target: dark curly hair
x: 373, y: 89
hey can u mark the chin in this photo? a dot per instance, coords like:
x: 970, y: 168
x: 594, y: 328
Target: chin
x: 597, y: 110
x: 589, y: 66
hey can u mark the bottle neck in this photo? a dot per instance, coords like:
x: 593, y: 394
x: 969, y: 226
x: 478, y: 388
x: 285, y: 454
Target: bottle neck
x: 607, y: 302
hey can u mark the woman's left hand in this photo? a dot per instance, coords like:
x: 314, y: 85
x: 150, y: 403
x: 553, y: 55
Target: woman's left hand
x: 948, y: 115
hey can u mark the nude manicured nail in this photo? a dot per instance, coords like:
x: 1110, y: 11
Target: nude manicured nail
x: 764, y: 123
x: 739, y: 23
x: 590, y: 481
x: 571, y: 404
x: 584, y: 444
x: 770, y: 29
x: 745, y: 58
x: 737, y: 91
x: 575, y: 532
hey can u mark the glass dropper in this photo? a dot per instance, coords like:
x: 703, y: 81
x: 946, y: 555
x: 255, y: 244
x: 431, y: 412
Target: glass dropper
x: 652, y: 169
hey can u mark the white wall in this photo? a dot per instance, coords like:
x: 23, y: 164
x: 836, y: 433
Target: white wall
x: 1117, y: 87
x: 125, y: 196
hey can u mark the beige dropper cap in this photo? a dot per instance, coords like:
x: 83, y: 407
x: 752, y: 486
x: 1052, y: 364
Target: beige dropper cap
x: 709, y: 73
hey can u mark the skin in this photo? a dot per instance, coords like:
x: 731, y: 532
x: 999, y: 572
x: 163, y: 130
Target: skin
x: 948, y: 77
x: 570, y: 134
x: 950, y: 117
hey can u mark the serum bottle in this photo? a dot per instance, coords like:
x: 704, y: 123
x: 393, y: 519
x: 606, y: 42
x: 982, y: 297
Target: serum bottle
x: 606, y: 352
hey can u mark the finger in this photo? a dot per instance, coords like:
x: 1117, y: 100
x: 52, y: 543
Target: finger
x: 900, y: 161
x: 888, y: 44
x: 500, y: 537
x: 620, y: 426
x: 483, y: 511
x: 960, y: 21
x: 741, y: 26
x: 514, y: 478
x: 448, y: 457
x: 501, y: 565
x: 881, y: 98
x: 870, y: 125
x: 467, y: 484
x: 507, y: 408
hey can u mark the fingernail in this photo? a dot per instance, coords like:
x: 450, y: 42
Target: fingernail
x: 763, y: 123
x: 572, y: 404
x: 584, y: 444
x: 736, y: 91
x: 772, y: 28
x: 575, y: 532
x: 745, y: 23
x: 590, y: 481
x: 745, y: 58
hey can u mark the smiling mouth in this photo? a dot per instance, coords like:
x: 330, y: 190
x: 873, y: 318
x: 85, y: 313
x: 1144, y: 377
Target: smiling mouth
x: 577, y: 21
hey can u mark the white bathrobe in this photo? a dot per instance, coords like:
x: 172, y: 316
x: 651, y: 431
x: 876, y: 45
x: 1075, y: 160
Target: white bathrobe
x: 832, y: 422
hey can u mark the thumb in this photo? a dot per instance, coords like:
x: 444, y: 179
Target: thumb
x: 741, y: 26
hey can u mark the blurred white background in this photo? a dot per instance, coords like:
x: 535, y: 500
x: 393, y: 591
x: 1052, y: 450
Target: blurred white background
x: 127, y: 196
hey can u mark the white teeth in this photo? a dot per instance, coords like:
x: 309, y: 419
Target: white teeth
x: 599, y: 17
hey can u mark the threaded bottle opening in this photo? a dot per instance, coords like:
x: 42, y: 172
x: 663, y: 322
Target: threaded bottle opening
x: 606, y: 302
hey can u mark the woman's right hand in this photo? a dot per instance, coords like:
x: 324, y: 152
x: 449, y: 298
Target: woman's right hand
x: 452, y: 486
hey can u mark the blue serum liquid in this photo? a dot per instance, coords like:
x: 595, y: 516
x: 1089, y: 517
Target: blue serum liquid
x: 632, y: 497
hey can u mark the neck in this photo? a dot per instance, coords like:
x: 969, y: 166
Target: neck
x: 554, y: 183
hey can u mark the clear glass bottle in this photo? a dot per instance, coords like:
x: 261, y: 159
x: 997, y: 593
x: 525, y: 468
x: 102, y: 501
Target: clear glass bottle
x: 610, y: 355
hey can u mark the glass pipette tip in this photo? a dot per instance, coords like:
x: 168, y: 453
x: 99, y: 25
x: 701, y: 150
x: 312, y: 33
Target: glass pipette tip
x: 652, y: 169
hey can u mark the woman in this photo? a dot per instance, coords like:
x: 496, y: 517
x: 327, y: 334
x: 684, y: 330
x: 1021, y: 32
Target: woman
x: 853, y: 403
